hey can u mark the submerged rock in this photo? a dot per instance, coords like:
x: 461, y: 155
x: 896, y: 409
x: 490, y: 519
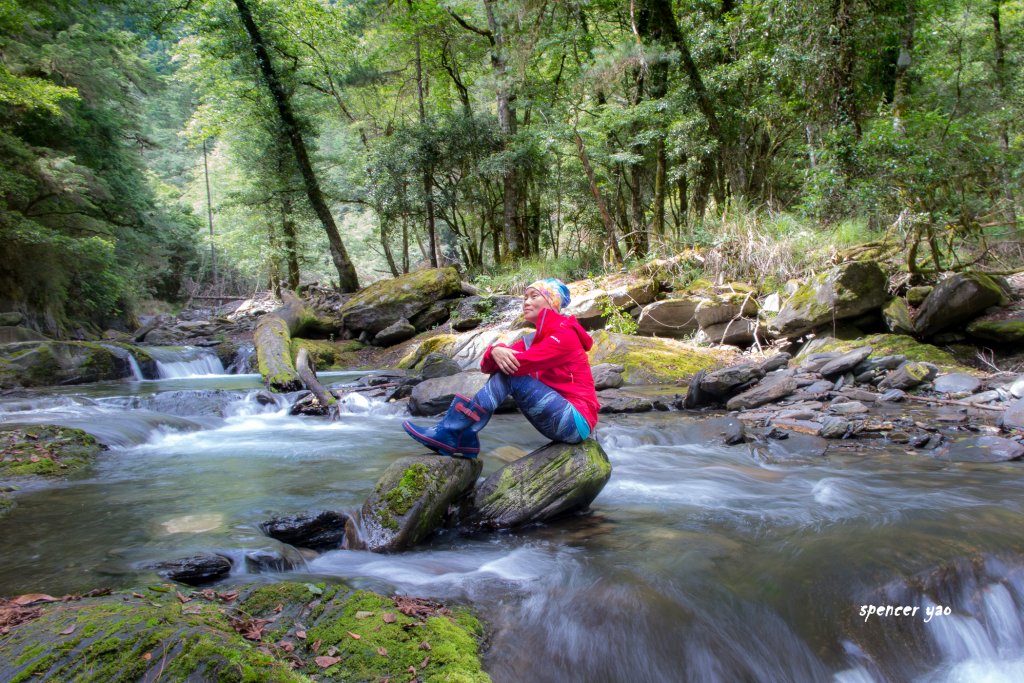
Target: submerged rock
x: 411, y: 499
x: 323, y: 530
x: 982, y: 449
x: 553, y: 480
x: 196, y: 570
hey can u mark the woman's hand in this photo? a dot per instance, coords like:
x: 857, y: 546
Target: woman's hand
x: 505, y: 359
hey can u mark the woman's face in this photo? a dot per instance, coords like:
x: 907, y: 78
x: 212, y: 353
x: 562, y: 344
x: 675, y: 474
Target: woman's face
x: 533, y: 303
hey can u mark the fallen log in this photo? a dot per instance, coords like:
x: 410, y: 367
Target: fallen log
x: 273, y: 338
x: 308, y: 377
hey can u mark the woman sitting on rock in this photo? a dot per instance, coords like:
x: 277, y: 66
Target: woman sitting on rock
x: 547, y: 373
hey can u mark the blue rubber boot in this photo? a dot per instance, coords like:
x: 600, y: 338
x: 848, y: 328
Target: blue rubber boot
x: 456, y: 433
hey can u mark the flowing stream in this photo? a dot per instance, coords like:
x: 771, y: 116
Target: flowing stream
x: 698, y: 561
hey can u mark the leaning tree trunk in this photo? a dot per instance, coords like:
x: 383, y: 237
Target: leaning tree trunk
x: 348, y: 281
x: 273, y: 338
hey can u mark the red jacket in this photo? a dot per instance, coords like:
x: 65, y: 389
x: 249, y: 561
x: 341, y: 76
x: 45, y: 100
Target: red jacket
x: 557, y: 356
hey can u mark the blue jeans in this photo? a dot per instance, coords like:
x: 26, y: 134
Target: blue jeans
x: 545, y: 408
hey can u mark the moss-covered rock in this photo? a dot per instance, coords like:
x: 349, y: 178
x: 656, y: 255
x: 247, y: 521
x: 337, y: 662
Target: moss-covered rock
x: 411, y: 499
x: 956, y: 300
x: 1004, y: 326
x: 553, y: 480
x: 846, y: 291
x: 327, y: 355
x: 45, y: 450
x: 896, y: 314
x: 12, y: 334
x: 384, y: 303
x: 655, y: 361
x: 441, y: 343
x: 50, y: 363
x: 286, y: 633
x: 895, y: 345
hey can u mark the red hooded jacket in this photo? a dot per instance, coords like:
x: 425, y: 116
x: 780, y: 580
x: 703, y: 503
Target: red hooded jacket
x: 557, y: 356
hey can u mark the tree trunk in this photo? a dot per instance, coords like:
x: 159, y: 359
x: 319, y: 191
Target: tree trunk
x: 901, y: 89
x: 428, y: 190
x: 308, y: 376
x: 348, y: 281
x: 507, y: 123
x: 273, y: 338
x: 1004, y: 124
x: 606, y: 218
x: 291, y: 242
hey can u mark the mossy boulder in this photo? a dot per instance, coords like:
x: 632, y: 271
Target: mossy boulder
x: 726, y: 307
x: 50, y: 363
x: 957, y: 300
x: 895, y: 345
x: 441, y: 343
x: 1003, y: 326
x: 553, y: 480
x: 846, y: 291
x: 45, y: 450
x: 655, y: 361
x: 411, y: 499
x: 281, y: 633
x: 386, y: 302
x: 896, y: 315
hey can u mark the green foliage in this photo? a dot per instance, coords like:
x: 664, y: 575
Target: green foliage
x: 616, y: 319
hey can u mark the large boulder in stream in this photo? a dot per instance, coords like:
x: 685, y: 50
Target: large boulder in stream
x: 384, y: 303
x: 433, y: 396
x: 553, y: 480
x: 50, y: 363
x: 287, y: 632
x: 321, y: 530
x: 846, y: 291
x: 410, y: 501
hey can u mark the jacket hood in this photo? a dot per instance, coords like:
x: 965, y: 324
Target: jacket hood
x: 550, y: 321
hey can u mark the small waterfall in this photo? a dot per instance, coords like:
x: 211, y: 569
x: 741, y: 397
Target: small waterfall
x: 242, y: 362
x: 128, y: 356
x: 176, y: 362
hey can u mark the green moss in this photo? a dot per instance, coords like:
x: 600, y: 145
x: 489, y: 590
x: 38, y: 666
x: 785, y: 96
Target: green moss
x: 383, y: 648
x: 265, y: 599
x: 1000, y: 331
x: 55, y: 450
x: 326, y: 355
x: 897, y: 345
x: 441, y: 343
x: 409, y: 489
x: 654, y: 361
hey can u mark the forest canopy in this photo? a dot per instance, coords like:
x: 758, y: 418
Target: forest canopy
x: 158, y: 150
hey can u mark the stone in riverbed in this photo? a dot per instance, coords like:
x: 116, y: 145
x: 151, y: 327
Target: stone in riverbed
x: 615, y: 401
x: 776, y: 362
x: 848, y: 408
x: 722, y: 383
x: 796, y: 449
x: 438, y: 365
x: 196, y: 570
x: 771, y: 388
x: 553, y: 480
x: 433, y: 396
x: 846, y: 362
x: 982, y: 449
x: 607, y: 376
x: 909, y: 375
x: 322, y: 530
x: 411, y: 499
x: 834, y: 427
x: 1013, y: 416
x: 956, y: 383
